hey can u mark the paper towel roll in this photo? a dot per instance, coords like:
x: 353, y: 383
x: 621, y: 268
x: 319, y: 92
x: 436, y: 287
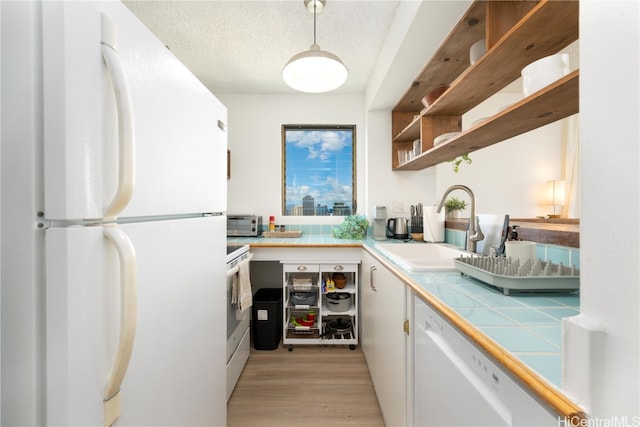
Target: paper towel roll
x: 433, y: 224
x: 520, y: 250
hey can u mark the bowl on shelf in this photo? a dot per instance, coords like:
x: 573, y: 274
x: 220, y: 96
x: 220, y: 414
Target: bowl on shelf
x: 543, y: 72
x: 431, y: 97
x: 305, y: 322
x: 477, y: 50
x: 340, y: 280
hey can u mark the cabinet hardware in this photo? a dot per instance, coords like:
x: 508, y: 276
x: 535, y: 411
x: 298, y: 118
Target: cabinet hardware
x: 371, y: 270
x: 405, y: 327
x: 302, y: 268
x: 338, y: 268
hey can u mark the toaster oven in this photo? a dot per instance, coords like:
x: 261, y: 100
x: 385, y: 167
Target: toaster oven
x: 244, y: 225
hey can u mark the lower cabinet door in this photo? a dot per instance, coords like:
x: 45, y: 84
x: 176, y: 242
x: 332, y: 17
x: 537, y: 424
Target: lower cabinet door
x: 383, y: 338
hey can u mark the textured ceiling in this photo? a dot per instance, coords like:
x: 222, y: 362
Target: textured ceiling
x: 240, y: 46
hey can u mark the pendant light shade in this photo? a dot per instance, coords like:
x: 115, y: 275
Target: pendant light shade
x: 315, y: 70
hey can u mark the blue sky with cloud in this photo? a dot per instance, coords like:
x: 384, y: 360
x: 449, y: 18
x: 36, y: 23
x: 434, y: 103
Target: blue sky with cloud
x: 319, y: 164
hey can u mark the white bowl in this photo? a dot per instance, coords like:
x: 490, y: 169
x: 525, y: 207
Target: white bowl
x: 476, y: 51
x: 543, y: 72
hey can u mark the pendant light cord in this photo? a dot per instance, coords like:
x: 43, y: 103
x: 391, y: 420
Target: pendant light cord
x: 314, y: 21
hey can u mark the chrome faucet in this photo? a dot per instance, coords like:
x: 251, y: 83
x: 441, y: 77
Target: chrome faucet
x: 474, y: 233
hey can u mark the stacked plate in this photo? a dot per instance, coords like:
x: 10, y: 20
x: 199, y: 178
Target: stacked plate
x: 444, y: 138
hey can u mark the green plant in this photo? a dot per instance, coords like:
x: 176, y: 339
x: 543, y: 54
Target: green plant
x: 455, y: 204
x: 458, y: 160
x: 353, y: 227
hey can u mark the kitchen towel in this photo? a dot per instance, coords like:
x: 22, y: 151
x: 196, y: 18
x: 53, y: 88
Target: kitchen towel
x: 241, y: 287
x: 433, y: 228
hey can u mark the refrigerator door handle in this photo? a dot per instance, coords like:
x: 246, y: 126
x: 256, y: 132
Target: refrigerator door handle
x: 125, y: 122
x: 128, y: 313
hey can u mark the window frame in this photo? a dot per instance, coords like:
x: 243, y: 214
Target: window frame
x: 322, y: 127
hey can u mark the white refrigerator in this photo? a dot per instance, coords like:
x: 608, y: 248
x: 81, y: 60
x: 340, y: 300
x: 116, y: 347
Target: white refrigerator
x: 113, y: 224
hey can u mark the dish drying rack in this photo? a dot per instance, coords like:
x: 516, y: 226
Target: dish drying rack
x: 509, y: 274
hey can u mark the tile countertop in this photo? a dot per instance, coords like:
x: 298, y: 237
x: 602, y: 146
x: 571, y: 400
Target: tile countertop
x: 527, y: 325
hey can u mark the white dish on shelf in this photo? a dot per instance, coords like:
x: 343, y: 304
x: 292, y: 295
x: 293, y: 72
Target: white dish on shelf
x: 504, y: 107
x: 477, y: 122
x: 476, y: 51
x: 441, y: 139
x: 543, y: 72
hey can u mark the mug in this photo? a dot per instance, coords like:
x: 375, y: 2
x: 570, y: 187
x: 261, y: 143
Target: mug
x: 520, y: 250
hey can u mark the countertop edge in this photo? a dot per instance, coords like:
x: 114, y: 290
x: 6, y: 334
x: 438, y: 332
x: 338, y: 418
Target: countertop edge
x: 305, y: 245
x: 545, y: 391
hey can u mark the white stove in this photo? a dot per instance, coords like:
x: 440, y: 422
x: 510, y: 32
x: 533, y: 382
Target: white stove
x: 238, y: 336
x: 235, y: 252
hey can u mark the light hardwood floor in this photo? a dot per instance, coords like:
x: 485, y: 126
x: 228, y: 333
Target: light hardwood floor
x: 308, y: 387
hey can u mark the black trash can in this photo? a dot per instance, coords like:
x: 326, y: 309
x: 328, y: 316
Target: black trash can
x: 266, y: 318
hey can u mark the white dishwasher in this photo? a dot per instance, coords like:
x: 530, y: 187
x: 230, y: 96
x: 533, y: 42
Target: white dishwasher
x: 457, y: 385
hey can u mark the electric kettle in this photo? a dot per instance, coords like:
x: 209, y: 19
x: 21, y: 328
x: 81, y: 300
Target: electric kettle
x: 398, y: 228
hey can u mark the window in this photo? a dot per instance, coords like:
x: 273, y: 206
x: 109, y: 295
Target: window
x: 319, y: 170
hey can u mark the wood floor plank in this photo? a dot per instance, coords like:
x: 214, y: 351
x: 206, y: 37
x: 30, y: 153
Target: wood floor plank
x: 312, y: 386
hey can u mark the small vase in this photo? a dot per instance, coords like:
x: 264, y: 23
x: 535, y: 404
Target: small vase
x: 454, y: 214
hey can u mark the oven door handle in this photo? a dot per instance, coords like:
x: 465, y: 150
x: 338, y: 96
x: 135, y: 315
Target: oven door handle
x: 235, y: 269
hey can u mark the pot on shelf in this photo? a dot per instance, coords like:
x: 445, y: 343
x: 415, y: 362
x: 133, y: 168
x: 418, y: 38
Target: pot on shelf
x: 338, y: 301
x: 338, y: 326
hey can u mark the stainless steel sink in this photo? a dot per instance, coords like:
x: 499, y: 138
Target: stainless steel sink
x: 422, y: 257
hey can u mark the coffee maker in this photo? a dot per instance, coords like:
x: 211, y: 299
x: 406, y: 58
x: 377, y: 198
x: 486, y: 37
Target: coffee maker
x: 380, y: 223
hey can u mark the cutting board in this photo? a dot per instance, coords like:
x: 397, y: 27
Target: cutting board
x: 282, y: 234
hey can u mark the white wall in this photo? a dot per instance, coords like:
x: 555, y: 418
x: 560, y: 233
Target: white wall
x: 255, y: 141
x: 385, y: 187
x: 602, y: 354
x: 505, y: 177
x: 508, y: 177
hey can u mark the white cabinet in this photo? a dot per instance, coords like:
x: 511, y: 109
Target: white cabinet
x: 383, y: 338
x: 313, y: 311
x: 457, y: 385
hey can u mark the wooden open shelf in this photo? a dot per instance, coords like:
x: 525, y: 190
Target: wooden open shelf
x: 523, y: 32
x: 548, y: 105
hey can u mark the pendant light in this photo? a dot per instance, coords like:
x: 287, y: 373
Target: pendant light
x: 315, y: 70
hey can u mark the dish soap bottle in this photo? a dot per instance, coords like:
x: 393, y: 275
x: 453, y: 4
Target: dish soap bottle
x: 331, y: 286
